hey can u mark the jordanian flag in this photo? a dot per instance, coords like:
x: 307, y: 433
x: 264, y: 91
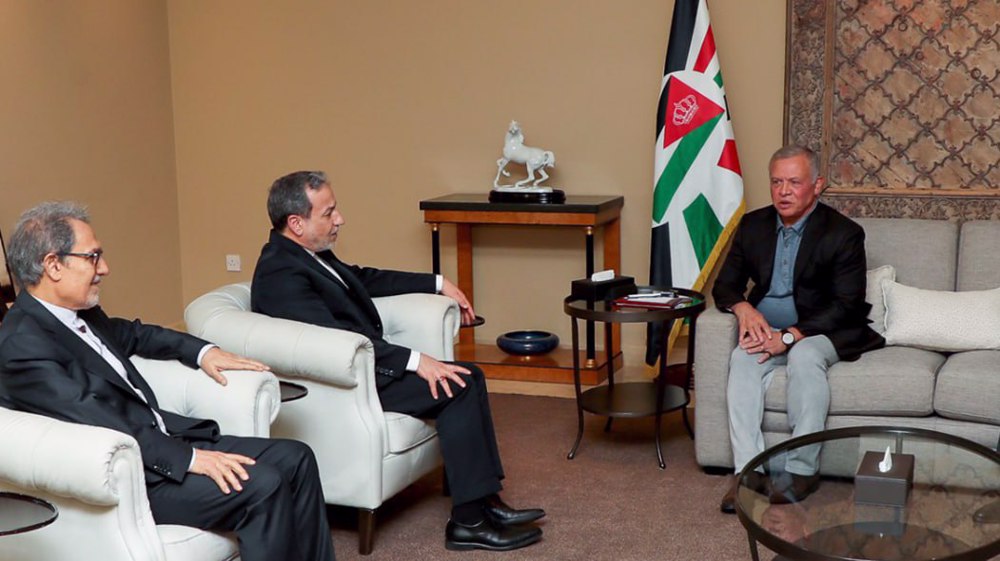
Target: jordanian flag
x: 698, y: 194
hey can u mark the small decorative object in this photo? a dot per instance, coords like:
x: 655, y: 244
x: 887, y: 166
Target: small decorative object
x: 527, y: 343
x: 534, y: 159
x: 884, y: 479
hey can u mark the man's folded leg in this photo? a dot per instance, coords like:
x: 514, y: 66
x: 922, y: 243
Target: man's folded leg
x: 279, y: 514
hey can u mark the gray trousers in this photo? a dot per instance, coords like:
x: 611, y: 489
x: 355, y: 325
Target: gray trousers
x: 808, y: 399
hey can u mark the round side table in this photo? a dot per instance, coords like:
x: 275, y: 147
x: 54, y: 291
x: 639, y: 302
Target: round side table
x: 21, y: 513
x: 290, y: 391
x: 633, y: 399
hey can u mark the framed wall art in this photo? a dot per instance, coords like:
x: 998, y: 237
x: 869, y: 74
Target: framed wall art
x: 899, y: 97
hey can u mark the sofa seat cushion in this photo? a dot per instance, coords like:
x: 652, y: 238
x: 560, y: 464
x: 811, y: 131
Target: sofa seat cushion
x: 183, y: 543
x: 896, y: 381
x: 405, y: 431
x: 968, y: 387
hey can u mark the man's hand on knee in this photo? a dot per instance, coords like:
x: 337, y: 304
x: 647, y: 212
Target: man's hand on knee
x: 224, y: 468
x: 437, y: 372
x: 753, y: 328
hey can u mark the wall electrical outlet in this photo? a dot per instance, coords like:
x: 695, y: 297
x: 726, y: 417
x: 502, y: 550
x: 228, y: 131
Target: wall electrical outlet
x: 233, y: 262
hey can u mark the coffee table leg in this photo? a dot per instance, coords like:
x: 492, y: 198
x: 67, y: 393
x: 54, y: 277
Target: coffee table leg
x: 609, y: 351
x: 753, y: 548
x: 576, y: 385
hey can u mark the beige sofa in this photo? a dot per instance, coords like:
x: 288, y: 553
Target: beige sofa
x: 957, y: 393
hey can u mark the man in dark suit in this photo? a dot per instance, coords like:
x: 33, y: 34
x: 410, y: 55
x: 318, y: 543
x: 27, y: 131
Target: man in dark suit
x: 63, y: 357
x: 806, y: 311
x: 299, y: 278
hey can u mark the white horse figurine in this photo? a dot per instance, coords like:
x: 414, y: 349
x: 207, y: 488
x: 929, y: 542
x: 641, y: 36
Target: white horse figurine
x: 535, y: 159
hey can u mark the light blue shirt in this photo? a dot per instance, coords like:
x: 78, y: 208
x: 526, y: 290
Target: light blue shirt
x: 778, y: 305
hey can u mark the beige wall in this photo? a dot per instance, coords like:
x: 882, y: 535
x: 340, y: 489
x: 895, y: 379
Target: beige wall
x: 397, y: 100
x: 85, y: 114
x: 401, y: 101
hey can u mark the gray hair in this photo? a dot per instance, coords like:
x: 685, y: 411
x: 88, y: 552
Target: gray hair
x: 795, y: 150
x: 288, y: 196
x: 40, y: 231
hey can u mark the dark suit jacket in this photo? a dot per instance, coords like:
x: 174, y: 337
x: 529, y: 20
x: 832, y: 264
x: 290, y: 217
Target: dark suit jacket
x: 828, y: 280
x: 289, y: 283
x: 47, y: 369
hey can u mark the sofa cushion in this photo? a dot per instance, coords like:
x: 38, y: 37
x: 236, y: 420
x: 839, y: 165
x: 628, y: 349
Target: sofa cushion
x: 924, y: 252
x: 890, y: 381
x: 978, y: 268
x: 942, y: 320
x: 968, y: 387
x: 406, y: 432
x: 874, y: 296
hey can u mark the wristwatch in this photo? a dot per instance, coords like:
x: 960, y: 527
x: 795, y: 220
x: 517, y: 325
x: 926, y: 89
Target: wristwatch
x: 787, y: 337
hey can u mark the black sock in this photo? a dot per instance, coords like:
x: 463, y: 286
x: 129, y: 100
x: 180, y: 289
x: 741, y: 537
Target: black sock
x: 468, y: 514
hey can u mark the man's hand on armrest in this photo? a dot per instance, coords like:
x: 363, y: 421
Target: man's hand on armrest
x: 217, y: 360
x: 224, y: 468
x: 450, y: 290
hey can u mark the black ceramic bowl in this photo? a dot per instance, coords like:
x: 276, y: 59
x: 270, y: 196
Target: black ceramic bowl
x: 527, y: 342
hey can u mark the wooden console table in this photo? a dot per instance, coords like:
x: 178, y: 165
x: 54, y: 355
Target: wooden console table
x: 583, y: 211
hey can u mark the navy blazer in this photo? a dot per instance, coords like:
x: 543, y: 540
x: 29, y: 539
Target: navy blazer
x: 47, y: 369
x: 289, y: 283
x: 828, y: 281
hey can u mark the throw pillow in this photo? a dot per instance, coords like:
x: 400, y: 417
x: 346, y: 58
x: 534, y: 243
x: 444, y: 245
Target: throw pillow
x: 941, y: 321
x: 873, y: 295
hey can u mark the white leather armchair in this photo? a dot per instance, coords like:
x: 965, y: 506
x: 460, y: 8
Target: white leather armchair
x: 365, y: 455
x: 94, y: 476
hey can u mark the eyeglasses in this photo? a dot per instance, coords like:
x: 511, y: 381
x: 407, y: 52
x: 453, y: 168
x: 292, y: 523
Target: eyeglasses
x: 94, y: 256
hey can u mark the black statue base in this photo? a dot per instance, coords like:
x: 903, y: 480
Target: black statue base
x: 555, y: 197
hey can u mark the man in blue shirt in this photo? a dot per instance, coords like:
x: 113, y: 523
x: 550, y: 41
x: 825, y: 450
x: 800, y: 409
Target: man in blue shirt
x: 805, y: 311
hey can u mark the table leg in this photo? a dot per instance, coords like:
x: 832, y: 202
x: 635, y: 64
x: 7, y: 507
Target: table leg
x: 576, y: 385
x: 609, y: 351
x: 661, y: 389
x: 690, y: 374
x: 435, y: 248
x: 463, y: 239
x: 754, y: 554
x: 591, y: 352
x: 612, y: 239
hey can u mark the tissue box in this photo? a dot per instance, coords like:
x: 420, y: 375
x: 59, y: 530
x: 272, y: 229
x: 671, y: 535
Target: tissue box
x: 891, y: 488
x: 586, y: 289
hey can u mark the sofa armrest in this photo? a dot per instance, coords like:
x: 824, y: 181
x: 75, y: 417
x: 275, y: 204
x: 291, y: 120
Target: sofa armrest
x: 65, y: 459
x: 427, y: 323
x: 714, y: 343
x: 245, y: 406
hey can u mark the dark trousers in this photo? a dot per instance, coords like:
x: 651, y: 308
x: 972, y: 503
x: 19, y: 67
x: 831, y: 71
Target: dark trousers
x: 280, y: 513
x: 464, y: 425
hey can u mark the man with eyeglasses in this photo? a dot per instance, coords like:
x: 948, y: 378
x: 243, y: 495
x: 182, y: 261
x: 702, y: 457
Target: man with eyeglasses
x: 62, y: 357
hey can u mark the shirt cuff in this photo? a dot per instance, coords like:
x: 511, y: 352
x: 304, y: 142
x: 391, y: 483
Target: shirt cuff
x: 201, y: 355
x: 191, y: 463
x: 438, y: 283
x: 414, y: 362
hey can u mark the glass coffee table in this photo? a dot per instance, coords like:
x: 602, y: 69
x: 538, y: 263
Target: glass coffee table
x: 953, y: 480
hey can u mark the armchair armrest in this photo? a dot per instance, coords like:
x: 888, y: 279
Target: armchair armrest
x: 246, y: 406
x: 427, y: 323
x: 65, y: 459
x: 714, y: 343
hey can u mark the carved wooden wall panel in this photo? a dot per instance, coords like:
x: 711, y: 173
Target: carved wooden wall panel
x: 902, y: 98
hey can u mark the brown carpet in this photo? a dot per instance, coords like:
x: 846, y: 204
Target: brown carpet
x: 612, y: 502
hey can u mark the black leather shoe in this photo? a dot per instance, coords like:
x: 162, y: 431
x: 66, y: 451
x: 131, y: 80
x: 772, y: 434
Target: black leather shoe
x: 487, y: 535
x: 793, y: 488
x: 502, y: 513
x: 754, y: 480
